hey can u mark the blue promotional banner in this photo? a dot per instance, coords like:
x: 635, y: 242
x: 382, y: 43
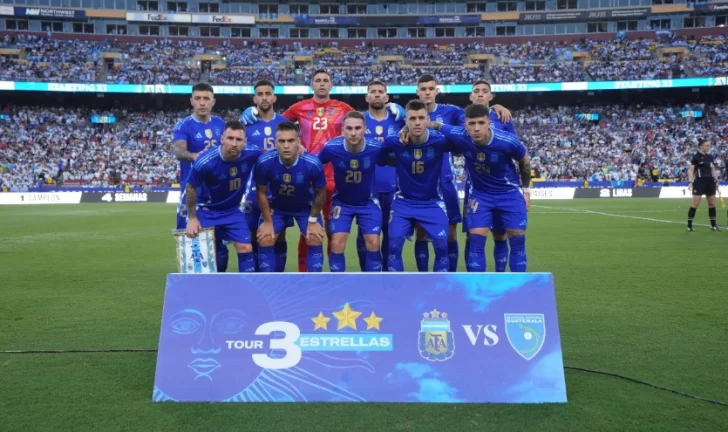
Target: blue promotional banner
x: 358, y: 337
x: 362, y: 90
x: 46, y: 12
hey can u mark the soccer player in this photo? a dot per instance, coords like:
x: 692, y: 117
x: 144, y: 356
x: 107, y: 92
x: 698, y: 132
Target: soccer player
x: 290, y: 175
x: 500, y: 118
x: 448, y: 114
x: 703, y: 180
x: 496, y: 185
x: 418, y: 201
x: 215, y: 188
x: 354, y: 159
x: 262, y: 135
x: 380, y: 123
x: 192, y: 135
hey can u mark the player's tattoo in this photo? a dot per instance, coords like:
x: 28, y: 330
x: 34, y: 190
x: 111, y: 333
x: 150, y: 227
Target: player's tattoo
x: 524, y: 166
x: 191, y: 198
x: 181, y: 152
x: 318, y: 201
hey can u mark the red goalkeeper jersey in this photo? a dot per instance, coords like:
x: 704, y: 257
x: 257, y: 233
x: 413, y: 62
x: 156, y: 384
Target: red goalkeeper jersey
x: 319, y: 123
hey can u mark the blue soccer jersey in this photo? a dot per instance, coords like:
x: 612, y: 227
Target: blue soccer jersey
x: 198, y: 136
x: 418, y: 167
x: 220, y: 184
x: 353, y: 172
x: 385, y: 179
x: 263, y: 133
x: 291, y: 188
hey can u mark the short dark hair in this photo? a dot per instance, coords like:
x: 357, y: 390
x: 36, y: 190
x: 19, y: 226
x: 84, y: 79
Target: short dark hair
x: 415, y: 105
x: 202, y: 87
x: 354, y: 115
x: 477, y: 110
x: 320, y: 71
x: 376, y: 82
x: 235, y: 125
x: 263, y: 82
x: 702, y: 141
x: 287, y: 126
x: 482, y: 82
x: 426, y: 78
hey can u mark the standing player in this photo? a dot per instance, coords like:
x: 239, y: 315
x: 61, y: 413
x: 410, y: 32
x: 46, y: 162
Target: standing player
x: 262, y: 135
x: 215, y: 188
x: 354, y: 159
x: 192, y: 135
x: 380, y: 122
x: 496, y: 185
x: 290, y: 176
x: 418, y: 201
x: 500, y: 118
x: 448, y: 114
x: 703, y: 180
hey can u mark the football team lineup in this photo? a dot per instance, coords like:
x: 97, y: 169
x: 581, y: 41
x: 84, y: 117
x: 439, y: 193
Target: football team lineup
x: 389, y: 168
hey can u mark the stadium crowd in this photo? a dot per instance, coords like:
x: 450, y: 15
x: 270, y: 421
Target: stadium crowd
x: 165, y: 61
x: 56, y: 145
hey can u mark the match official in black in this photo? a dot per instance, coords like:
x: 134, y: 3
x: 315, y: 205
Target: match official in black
x: 703, y: 181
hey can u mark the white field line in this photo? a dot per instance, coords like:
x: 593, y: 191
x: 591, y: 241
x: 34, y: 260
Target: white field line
x: 623, y: 216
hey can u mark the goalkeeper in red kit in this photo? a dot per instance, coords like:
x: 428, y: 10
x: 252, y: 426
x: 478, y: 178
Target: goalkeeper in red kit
x: 320, y: 119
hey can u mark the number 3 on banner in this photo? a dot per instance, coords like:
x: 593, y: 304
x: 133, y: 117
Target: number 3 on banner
x: 287, y: 343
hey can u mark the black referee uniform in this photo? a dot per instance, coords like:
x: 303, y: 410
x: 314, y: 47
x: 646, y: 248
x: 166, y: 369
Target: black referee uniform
x: 703, y: 183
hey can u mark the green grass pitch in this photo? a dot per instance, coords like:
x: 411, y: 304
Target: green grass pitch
x: 637, y: 295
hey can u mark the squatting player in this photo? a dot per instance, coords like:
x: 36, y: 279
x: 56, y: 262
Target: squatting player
x: 418, y: 201
x: 290, y: 175
x: 501, y: 119
x: 192, y: 135
x: 354, y: 159
x: 495, y: 184
x: 262, y: 135
x: 703, y: 180
x: 215, y: 188
x: 380, y: 122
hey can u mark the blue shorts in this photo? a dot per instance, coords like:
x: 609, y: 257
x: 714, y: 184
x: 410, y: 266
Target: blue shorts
x: 368, y: 217
x: 452, y: 202
x: 182, y: 210
x: 497, y: 211
x: 283, y: 219
x: 431, y: 215
x: 229, y: 225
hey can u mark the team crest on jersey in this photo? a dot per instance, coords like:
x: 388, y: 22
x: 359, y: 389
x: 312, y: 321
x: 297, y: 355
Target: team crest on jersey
x: 286, y: 178
x: 267, y: 130
x: 319, y: 112
x: 354, y: 164
x: 418, y: 154
x: 481, y: 157
x: 379, y: 130
x: 233, y: 172
x: 208, y: 133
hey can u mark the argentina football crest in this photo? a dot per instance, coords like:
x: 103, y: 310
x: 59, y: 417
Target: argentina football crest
x: 196, y: 255
x: 526, y: 333
x: 436, y: 341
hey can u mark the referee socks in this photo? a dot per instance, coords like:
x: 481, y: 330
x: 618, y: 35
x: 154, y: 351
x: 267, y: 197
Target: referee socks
x: 691, y: 216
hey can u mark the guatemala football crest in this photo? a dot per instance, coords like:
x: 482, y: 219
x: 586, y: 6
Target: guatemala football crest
x: 526, y: 333
x: 436, y: 341
x: 208, y: 133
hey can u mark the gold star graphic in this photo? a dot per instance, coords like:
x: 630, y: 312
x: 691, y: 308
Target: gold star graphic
x: 373, y: 321
x: 321, y: 321
x: 347, y: 317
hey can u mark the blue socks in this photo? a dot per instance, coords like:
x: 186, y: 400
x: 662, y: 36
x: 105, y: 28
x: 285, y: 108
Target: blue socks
x: 266, y: 259
x: 500, y: 255
x: 246, y: 262
x: 422, y: 255
x: 337, y: 262
x: 395, y: 263
x: 518, y: 259
x: 361, y: 251
x: 442, y: 260
x: 281, y: 253
x: 222, y: 256
x: 476, y: 257
x: 315, y: 259
x: 453, y: 254
x: 374, y: 261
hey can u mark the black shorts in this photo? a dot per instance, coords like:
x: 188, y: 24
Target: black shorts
x: 704, y: 186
